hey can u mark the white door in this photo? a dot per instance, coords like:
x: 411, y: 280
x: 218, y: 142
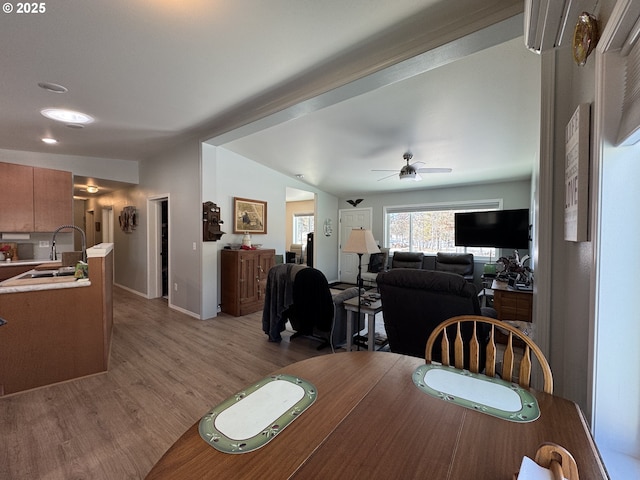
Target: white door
x: 350, y: 219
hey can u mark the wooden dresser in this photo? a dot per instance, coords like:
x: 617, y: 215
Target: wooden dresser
x: 512, y: 304
x: 244, y: 278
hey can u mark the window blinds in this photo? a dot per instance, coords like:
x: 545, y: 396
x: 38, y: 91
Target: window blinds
x: 474, y: 205
x: 629, y: 129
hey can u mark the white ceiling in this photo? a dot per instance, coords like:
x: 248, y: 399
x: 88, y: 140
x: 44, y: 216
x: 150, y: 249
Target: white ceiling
x: 155, y: 72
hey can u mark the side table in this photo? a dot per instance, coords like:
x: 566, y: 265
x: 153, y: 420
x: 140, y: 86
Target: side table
x: 370, y: 312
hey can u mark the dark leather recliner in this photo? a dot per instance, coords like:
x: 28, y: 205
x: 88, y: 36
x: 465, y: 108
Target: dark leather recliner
x: 407, y: 260
x: 460, y: 263
x: 301, y: 295
x: 415, y: 301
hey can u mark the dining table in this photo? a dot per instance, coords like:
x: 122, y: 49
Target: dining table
x: 370, y: 419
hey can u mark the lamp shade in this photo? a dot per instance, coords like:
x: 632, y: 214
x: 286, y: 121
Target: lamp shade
x: 361, y: 241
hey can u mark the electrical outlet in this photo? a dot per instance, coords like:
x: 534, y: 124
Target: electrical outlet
x: 175, y: 287
x: 43, y: 244
x: 194, y: 246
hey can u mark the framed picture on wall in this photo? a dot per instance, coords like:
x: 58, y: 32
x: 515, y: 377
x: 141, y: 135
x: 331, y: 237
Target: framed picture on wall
x: 576, y: 206
x: 249, y: 216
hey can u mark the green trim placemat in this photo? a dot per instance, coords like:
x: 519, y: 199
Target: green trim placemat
x: 489, y: 395
x: 251, y: 418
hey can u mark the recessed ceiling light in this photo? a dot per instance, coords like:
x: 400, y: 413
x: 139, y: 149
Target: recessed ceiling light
x: 299, y: 175
x: 92, y: 189
x: 53, y: 87
x: 50, y: 141
x: 67, y: 116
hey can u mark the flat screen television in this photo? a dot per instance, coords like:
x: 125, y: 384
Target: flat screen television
x: 494, y: 228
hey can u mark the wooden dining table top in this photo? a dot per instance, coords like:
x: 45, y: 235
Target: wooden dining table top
x: 371, y: 421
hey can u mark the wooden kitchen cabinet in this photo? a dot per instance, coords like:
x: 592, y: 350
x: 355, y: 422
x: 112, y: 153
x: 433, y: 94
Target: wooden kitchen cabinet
x: 52, y: 199
x: 10, y: 271
x: 16, y: 198
x: 244, y: 278
x: 34, y: 199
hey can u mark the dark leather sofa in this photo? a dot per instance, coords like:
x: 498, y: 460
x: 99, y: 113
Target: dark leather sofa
x: 459, y: 263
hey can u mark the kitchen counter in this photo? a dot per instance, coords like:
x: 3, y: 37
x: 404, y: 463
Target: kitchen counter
x: 32, y: 261
x: 57, y: 331
x: 24, y: 283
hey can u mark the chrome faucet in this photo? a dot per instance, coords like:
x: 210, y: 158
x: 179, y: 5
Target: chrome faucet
x: 54, y: 255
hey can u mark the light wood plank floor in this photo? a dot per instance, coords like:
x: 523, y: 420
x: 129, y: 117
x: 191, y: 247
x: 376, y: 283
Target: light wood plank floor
x: 166, y: 370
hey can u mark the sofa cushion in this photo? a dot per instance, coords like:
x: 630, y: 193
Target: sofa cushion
x: 407, y: 260
x: 376, y: 262
x: 460, y: 263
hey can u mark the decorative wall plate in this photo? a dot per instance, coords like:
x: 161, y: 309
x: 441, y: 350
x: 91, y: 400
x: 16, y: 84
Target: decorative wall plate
x: 489, y: 395
x: 585, y: 37
x: 251, y: 418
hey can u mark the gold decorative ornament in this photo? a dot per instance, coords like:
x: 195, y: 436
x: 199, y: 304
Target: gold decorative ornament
x: 585, y: 37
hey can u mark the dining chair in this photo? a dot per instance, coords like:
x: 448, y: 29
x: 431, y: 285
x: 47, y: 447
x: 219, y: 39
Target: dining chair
x: 449, y: 336
x: 557, y: 459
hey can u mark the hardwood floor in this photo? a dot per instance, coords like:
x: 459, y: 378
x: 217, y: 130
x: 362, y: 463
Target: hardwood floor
x: 166, y: 370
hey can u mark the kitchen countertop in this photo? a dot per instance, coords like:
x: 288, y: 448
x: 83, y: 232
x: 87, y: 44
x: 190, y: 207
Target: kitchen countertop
x: 32, y: 261
x: 49, y: 283
x: 43, y: 283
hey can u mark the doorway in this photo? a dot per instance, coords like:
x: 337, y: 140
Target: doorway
x: 107, y: 224
x: 90, y: 229
x: 164, y: 246
x: 159, y: 247
x: 301, y: 222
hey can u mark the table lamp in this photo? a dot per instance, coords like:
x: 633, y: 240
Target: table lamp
x: 360, y: 241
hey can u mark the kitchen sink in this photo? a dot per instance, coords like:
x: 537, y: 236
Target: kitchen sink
x: 60, y: 272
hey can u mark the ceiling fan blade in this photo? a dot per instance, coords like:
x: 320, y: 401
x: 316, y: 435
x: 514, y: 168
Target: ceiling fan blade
x: 388, y: 176
x: 434, y: 170
x: 387, y: 170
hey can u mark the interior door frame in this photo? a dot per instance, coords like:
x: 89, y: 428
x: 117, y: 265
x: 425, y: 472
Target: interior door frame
x: 154, y: 247
x: 90, y: 227
x: 107, y: 224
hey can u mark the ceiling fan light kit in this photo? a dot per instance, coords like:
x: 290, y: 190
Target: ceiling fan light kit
x: 410, y: 172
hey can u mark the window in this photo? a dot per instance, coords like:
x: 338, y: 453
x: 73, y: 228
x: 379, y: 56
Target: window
x: 302, y: 224
x: 431, y: 229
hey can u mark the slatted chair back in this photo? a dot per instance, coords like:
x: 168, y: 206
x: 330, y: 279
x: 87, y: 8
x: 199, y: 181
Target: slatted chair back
x: 473, y: 362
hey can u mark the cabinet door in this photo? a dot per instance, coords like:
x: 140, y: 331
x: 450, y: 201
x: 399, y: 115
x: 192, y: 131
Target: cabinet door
x: 266, y: 261
x: 249, y: 279
x: 52, y: 199
x: 16, y: 198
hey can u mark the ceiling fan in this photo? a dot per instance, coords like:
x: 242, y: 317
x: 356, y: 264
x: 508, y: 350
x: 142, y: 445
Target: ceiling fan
x: 410, y: 171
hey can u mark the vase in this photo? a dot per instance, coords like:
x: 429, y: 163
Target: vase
x: 246, y: 240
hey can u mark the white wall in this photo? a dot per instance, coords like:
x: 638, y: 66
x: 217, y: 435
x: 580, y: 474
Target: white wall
x: 515, y: 194
x: 227, y: 175
x: 175, y: 174
x: 572, y: 263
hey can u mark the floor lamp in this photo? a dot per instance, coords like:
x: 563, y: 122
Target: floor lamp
x: 360, y: 241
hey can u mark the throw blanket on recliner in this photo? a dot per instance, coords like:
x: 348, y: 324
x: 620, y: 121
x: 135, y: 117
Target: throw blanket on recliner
x: 278, y: 297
